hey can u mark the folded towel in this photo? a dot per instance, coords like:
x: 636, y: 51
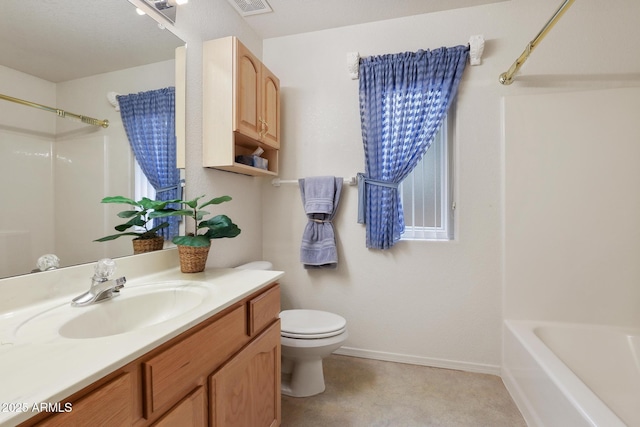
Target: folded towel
x: 320, y: 198
x: 318, y: 194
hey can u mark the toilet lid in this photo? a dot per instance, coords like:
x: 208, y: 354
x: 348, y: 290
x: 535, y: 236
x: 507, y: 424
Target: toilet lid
x: 311, y: 324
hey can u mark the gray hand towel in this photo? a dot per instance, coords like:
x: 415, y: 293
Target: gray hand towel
x: 320, y: 198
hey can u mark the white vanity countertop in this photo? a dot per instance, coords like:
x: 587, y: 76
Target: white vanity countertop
x: 43, y: 367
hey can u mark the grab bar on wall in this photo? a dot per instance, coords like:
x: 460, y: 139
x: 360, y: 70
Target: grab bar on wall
x: 59, y: 112
x: 507, y: 77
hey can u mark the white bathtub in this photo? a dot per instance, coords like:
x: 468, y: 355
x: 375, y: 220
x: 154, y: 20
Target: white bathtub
x: 566, y: 375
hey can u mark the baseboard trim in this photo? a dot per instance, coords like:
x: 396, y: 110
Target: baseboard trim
x: 418, y: 360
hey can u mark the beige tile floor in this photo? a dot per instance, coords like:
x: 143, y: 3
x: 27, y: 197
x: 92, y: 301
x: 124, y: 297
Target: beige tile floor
x: 371, y: 393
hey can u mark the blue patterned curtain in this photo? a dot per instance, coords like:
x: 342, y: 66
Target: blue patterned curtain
x: 149, y: 121
x: 403, y: 100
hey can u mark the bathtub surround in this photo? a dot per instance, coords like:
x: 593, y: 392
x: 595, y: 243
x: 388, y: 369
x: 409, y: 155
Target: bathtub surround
x: 570, y: 169
x: 568, y: 183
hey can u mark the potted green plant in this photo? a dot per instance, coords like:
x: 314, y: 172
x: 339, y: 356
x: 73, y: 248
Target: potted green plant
x: 193, y: 248
x: 146, y: 240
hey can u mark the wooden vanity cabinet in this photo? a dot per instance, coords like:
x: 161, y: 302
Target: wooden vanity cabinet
x: 223, y: 372
x: 241, y: 108
x: 181, y: 368
x: 191, y: 411
x: 246, y: 390
x: 110, y: 404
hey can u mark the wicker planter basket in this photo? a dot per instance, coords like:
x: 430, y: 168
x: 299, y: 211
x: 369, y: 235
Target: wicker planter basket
x: 193, y: 259
x: 141, y: 246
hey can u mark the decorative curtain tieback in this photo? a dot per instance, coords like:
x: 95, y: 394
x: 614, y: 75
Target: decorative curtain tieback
x: 362, y: 194
x: 321, y: 221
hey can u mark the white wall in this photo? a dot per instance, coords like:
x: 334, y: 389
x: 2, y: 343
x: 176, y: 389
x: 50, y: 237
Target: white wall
x: 429, y: 302
x: 197, y: 22
x: 436, y: 303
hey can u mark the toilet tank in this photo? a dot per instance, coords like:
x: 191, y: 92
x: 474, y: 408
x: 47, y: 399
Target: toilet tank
x: 256, y: 265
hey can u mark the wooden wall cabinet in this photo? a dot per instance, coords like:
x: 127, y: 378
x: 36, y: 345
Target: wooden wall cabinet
x: 222, y: 372
x: 241, y: 108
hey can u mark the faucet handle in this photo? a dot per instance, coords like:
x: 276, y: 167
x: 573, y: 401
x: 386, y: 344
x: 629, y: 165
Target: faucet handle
x: 48, y: 262
x: 104, y: 268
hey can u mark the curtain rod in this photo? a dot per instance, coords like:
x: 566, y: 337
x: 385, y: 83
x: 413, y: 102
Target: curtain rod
x: 507, y: 77
x: 60, y: 113
x: 476, y: 48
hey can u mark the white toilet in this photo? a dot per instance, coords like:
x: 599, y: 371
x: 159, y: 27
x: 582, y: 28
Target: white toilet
x: 307, y: 337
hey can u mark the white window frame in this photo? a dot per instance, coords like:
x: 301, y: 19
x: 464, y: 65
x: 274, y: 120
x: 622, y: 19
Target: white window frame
x: 142, y: 187
x: 444, y: 230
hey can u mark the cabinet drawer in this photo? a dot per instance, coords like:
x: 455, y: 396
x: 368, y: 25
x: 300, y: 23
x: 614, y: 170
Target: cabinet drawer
x: 191, y: 411
x: 170, y: 375
x: 263, y: 310
x: 109, y: 405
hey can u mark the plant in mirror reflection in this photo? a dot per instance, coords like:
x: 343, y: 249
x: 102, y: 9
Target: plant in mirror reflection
x: 217, y: 227
x: 139, y: 216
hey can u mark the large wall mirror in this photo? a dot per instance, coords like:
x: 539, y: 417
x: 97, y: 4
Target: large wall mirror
x: 70, y: 54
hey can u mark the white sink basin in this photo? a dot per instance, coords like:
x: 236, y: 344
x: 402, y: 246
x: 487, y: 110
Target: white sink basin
x: 118, y: 316
x: 136, y: 308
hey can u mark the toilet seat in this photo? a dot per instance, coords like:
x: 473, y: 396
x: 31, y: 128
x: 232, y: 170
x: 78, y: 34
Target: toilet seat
x: 311, y: 324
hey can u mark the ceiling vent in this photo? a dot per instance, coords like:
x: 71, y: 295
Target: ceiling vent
x: 251, y: 7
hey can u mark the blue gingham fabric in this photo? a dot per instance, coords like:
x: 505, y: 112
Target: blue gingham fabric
x: 403, y: 100
x: 149, y: 121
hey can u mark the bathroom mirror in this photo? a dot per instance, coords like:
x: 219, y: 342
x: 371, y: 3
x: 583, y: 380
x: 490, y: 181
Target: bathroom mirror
x: 69, y: 54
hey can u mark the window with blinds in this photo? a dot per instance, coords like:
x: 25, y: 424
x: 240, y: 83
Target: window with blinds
x: 427, y: 201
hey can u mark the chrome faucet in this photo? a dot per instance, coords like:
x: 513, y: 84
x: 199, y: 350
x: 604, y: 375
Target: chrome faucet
x: 102, y: 288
